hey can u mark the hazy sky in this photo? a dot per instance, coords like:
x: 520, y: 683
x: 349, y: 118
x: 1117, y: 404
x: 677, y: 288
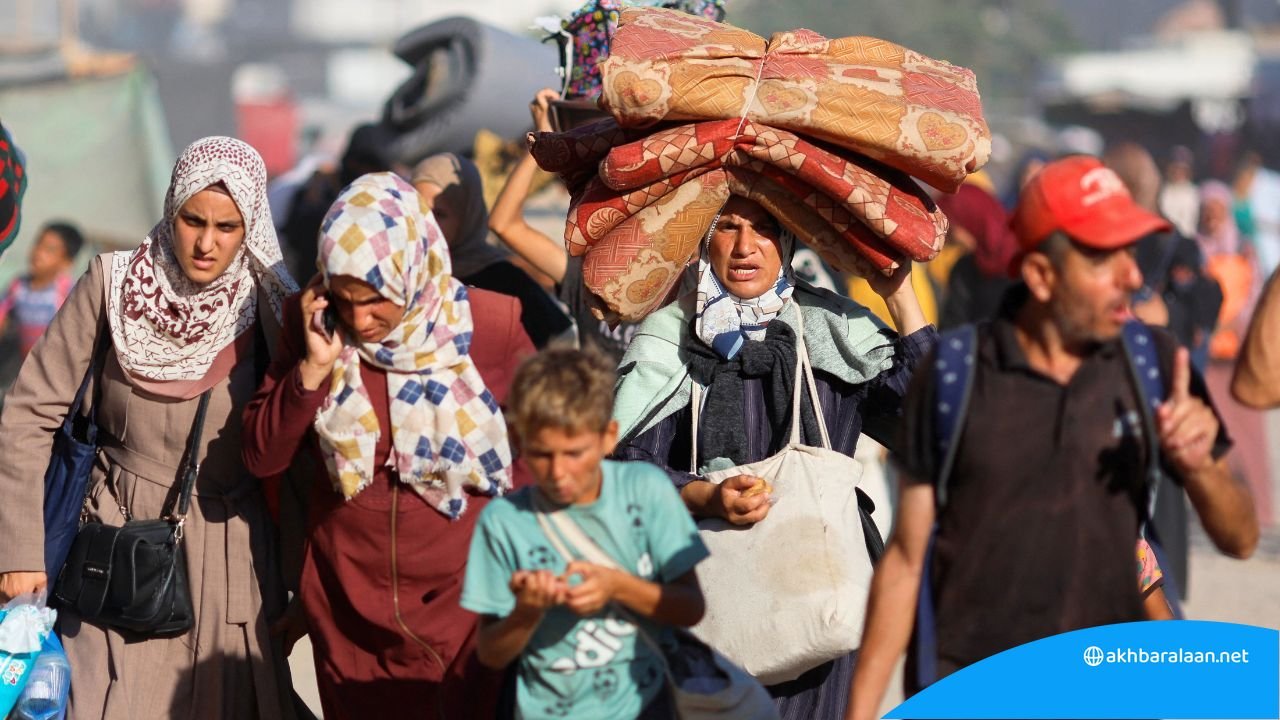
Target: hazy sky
x: 382, y: 19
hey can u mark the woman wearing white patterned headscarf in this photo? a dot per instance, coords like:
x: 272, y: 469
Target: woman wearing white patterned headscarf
x: 397, y: 407
x: 185, y: 313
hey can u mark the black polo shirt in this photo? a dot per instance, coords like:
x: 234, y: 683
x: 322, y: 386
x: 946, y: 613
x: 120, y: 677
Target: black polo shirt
x: 1038, y: 535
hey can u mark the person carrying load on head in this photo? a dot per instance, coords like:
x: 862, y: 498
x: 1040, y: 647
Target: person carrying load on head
x: 747, y: 386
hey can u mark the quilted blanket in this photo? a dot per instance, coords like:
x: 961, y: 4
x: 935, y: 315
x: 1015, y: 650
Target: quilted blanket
x: 911, y: 112
x: 643, y: 202
x: 824, y: 134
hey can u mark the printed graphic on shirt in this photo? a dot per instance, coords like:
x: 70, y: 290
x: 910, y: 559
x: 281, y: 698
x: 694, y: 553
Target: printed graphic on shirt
x: 596, y: 643
x: 644, y: 567
x: 604, y: 682
x: 1128, y: 425
x: 560, y: 708
x: 541, y: 558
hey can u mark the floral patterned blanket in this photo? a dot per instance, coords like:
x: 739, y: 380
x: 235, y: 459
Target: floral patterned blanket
x: 823, y: 133
x: 639, y: 218
x: 919, y: 115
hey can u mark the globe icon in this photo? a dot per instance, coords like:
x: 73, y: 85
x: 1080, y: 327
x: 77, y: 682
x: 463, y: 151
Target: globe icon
x: 1093, y: 656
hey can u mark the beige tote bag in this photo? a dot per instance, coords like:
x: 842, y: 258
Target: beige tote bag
x: 789, y: 593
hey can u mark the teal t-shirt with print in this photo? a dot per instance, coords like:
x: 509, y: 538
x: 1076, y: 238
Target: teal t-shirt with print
x: 595, y: 666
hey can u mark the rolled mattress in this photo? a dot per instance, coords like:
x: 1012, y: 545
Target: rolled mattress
x: 467, y: 76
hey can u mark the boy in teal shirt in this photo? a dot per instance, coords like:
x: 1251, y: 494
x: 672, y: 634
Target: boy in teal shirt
x: 570, y: 624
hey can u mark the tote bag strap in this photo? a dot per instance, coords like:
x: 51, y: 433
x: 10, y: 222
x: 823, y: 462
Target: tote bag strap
x: 566, y: 537
x: 101, y: 342
x: 563, y: 532
x: 803, y: 369
x: 806, y: 369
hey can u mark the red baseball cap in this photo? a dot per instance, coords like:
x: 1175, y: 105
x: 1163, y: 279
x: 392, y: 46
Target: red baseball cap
x: 1084, y: 199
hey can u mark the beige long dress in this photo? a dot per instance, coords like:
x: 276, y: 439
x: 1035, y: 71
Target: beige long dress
x: 226, y: 666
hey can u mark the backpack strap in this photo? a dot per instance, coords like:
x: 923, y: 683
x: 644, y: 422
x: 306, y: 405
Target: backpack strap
x: 953, y: 371
x: 953, y: 368
x: 1140, y: 350
x: 1144, y: 371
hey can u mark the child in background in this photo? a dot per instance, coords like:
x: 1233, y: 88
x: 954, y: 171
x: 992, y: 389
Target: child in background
x: 33, y: 299
x: 570, y: 625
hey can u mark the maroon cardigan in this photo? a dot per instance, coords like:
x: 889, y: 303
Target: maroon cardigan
x: 382, y: 608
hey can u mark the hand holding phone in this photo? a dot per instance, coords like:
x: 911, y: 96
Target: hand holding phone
x: 325, y: 320
x: 320, y: 325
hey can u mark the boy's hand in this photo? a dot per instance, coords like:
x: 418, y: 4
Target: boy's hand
x: 537, y: 591
x: 597, y: 589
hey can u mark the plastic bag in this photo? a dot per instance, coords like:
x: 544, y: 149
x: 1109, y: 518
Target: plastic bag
x: 48, y: 685
x: 25, y: 623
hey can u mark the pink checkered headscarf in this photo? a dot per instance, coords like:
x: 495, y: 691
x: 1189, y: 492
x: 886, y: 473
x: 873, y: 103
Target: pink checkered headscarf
x: 448, y: 433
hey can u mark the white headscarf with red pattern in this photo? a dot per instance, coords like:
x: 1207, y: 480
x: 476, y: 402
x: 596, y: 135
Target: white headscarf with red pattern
x: 164, y: 326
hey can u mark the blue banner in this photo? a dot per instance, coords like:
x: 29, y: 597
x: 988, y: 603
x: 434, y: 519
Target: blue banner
x: 1166, y: 669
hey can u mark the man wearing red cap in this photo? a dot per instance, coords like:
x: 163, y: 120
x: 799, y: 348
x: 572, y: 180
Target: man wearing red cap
x: 1045, y: 491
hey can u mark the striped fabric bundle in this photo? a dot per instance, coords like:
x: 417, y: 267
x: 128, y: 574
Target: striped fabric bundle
x: 919, y: 115
x: 824, y: 134
x: 641, y: 218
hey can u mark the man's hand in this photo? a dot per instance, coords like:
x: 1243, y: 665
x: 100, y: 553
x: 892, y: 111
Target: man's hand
x: 598, y: 587
x: 734, y: 500
x: 537, y: 591
x: 13, y: 584
x: 1187, y: 425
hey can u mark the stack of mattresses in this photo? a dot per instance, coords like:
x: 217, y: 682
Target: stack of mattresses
x: 825, y: 134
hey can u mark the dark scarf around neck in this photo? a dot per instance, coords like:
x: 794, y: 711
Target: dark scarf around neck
x: 723, y: 423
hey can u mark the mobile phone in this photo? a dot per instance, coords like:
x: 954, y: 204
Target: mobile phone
x: 329, y: 318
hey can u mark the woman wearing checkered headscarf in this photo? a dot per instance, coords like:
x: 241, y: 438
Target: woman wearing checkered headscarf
x: 398, y: 409
x: 448, y: 433
x: 191, y: 310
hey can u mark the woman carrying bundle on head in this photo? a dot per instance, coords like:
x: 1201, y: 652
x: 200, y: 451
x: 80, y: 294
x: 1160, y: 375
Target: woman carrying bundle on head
x: 739, y: 340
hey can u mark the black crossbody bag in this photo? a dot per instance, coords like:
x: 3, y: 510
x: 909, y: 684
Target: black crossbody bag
x: 134, y: 577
